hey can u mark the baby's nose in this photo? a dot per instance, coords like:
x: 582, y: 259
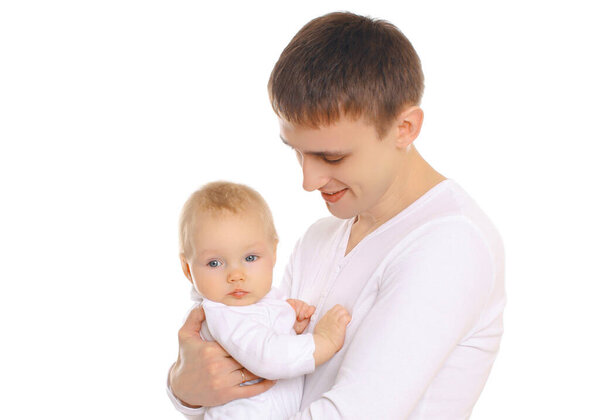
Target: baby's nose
x: 235, y: 275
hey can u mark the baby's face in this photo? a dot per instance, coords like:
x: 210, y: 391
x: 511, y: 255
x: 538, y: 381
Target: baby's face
x: 232, y: 258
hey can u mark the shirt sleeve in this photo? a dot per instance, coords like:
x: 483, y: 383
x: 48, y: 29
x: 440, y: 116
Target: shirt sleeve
x: 188, y: 412
x: 431, y: 294
x: 257, y: 347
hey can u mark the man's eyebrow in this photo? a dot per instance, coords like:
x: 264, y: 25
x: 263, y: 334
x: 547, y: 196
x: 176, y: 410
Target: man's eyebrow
x: 320, y: 154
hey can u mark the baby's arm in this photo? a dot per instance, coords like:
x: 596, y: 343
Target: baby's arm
x: 251, y: 338
x: 271, y: 355
x: 329, y: 333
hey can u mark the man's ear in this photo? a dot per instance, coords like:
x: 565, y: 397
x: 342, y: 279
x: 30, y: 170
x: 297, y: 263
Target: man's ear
x: 408, y: 126
x: 185, y: 267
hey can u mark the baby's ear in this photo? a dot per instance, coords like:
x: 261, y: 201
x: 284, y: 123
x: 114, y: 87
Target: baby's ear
x: 185, y: 266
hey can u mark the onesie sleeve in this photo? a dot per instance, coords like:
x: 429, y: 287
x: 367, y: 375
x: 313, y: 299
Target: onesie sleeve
x: 251, y: 340
x: 431, y: 294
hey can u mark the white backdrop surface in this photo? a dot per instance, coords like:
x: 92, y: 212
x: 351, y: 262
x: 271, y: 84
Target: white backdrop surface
x: 113, y: 112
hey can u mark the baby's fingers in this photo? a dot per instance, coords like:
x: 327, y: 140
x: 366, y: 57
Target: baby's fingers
x: 305, y: 312
x: 341, y: 314
x: 300, y: 326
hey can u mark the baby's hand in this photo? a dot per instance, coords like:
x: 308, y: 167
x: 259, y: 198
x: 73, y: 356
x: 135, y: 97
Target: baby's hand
x: 329, y: 333
x: 303, y: 313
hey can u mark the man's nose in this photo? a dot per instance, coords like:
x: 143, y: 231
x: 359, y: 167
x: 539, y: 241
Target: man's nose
x: 312, y: 176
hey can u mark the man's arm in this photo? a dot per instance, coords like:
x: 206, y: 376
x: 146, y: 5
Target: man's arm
x: 428, y: 300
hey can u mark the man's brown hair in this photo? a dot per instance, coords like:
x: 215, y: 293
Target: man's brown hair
x: 345, y: 64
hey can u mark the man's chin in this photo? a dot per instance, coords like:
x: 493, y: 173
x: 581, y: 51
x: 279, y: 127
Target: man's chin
x: 340, y: 212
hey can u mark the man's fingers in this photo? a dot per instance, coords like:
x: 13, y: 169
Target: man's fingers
x: 249, y: 376
x: 193, y: 323
x: 252, y: 390
x: 235, y: 378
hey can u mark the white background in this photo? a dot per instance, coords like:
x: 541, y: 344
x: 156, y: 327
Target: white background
x: 113, y: 112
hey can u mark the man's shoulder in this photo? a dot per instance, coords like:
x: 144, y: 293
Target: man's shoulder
x: 449, y: 207
x: 451, y: 217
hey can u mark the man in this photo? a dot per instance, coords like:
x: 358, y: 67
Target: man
x: 409, y: 253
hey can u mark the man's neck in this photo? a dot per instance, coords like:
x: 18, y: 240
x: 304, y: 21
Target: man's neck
x: 413, y: 182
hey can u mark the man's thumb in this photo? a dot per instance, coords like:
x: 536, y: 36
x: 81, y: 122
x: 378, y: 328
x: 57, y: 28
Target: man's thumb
x: 193, y: 323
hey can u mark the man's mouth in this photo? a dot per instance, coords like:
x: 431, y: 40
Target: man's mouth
x: 333, y: 197
x: 238, y: 293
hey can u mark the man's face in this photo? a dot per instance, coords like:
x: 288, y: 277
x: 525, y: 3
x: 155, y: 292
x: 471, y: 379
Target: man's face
x: 232, y: 258
x: 348, y: 163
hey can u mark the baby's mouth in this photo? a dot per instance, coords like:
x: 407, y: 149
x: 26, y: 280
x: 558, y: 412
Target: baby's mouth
x: 238, y: 293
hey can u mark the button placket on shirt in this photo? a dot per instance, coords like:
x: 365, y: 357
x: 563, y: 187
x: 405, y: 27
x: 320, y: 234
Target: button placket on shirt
x: 332, y: 276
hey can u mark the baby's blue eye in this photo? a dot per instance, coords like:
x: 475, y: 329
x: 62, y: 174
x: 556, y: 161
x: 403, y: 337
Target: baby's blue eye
x: 251, y: 258
x: 214, y: 263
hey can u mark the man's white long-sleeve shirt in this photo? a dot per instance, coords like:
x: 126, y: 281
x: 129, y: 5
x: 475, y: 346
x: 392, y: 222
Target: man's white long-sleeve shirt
x: 426, y: 294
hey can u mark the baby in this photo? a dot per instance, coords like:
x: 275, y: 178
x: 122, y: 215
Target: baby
x: 228, y: 246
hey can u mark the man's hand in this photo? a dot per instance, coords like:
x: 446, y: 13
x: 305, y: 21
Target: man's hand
x: 204, y: 374
x: 303, y: 313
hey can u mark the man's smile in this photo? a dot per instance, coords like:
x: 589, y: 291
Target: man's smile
x: 333, y: 196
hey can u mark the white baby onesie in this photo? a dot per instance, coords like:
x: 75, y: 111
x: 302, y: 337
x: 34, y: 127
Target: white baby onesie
x: 261, y: 338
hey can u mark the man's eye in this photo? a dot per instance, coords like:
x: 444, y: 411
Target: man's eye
x: 251, y: 258
x: 214, y: 263
x: 332, y: 159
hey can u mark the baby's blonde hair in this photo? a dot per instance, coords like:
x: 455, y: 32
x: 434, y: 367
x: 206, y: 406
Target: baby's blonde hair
x: 219, y: 197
